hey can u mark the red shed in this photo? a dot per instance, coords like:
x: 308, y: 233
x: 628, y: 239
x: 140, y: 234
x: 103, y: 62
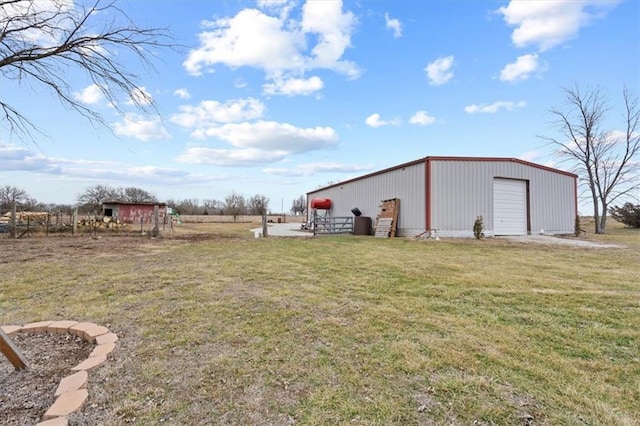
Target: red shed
x: 133, y: 212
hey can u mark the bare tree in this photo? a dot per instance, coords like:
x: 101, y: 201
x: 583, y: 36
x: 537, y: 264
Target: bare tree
x: 9, y: 195
x: 211, y: 205
x: 258, y: 204
x: 605, y: 160
x: 41, y: 41
x: 234, y: 204
x: 189, y: 206
x: 136, y: 195
x: 93, y: 197
x: 299, y: 205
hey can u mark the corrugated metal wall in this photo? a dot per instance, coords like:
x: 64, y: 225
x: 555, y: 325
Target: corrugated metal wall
x: 405, y: 183
x: 463, y: 190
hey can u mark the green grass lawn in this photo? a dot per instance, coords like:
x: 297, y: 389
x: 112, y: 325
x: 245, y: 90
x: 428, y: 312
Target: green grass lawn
x: 343, y: 330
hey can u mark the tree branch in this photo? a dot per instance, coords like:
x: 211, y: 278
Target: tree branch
x: 41, y: 45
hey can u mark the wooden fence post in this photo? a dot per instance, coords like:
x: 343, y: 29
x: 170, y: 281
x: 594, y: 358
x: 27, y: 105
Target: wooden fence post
x: 156, y: 228
x: 75, y: 221
x: 14, y: 221
x: 265, y: 227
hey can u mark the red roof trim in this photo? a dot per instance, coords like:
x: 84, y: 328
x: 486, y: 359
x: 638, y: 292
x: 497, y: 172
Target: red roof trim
x: 431, y: 158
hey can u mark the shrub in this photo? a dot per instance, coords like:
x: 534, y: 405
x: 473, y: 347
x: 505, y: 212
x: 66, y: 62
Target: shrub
x: 478, y: 228
x: 627, y: 214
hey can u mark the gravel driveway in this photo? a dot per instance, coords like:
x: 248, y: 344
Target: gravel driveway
x: 293, y: 230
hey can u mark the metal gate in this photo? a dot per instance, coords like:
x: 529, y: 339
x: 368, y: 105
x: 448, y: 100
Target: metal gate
x: 333, y: 225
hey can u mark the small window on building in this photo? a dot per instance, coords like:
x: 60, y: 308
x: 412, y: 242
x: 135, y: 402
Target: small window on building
x: 108, y: 212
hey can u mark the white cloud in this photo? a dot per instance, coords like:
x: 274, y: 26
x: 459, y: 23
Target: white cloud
x: 15, y: 158
x: 210, y: 113
x: 393, y: 25
x: 90, y: 95
x: 230, y: 157
x: 251, y: 38
x: 439, y: 71
x: 279, y: 45
x: 422, y: 118
x: 274, y: 4
x: 531, y: 156
x: 374, y: 121
x: 494, y: 107
x: 333, y: 29
x: 281, y: 7
x: 294, y: 86
x: 546, y: 24
x: 619, y: 137
x: 182, y: 93
x: 272, y: 136
x: 18, y: 158
x: 310, y: 169
x: 142, y: 175
x: 521, y: 69
x: 140, y: 96
x: 140, y: 128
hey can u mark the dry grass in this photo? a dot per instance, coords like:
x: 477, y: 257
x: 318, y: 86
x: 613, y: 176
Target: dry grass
x: 218, y: 327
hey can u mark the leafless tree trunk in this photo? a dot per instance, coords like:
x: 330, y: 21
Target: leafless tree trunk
x: 605, y: 160
x: 235, y: 204
x: 40, y: 41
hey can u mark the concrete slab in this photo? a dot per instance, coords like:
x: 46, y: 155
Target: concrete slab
x: 284, y: 230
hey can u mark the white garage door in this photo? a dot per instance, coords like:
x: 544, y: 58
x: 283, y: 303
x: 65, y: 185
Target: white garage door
x: 509, y: 207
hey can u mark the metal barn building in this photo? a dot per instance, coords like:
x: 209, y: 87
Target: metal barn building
x: 447, y: 194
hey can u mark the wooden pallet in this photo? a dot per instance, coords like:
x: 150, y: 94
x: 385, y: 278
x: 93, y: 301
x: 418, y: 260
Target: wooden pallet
x: 11, y: 351
x: 387, y: 219
x: 383, y: 227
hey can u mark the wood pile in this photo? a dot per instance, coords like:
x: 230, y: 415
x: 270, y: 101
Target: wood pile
x: 105, y: 223
x: 33, y: 217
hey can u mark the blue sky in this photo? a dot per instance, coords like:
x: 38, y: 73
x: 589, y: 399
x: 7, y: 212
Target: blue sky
x: 280, y: 97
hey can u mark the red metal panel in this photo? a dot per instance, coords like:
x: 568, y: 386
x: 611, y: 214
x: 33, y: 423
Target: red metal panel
x: 135, y: 213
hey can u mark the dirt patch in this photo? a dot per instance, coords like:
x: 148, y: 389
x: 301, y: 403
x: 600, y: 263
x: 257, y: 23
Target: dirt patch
x: 26, y: 395
x: 40, y: 247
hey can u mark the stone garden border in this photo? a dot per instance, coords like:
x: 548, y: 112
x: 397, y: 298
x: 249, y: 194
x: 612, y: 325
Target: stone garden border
x: 71, y: 393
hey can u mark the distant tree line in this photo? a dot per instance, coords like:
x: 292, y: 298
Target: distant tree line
x: 234, y: 204
x: 10, y: 194
x: 91, y: 199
